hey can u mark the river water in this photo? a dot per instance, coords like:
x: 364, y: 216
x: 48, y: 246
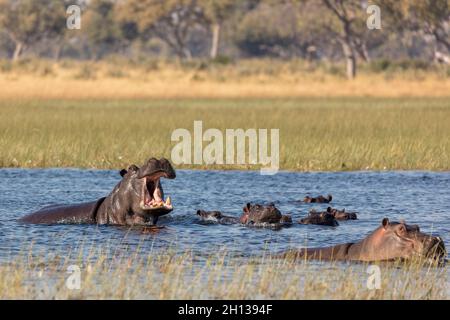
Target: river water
x: 418, y: 197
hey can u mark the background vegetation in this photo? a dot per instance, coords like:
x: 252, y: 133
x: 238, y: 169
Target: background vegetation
x: 112, y: 92
x: 319, y: 30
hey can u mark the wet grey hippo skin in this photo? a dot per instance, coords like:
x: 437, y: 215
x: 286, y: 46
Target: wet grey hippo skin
x: 342, y: 214
x: 255, y: 214
x: 390, y: 241
x: 327, y: 218
x: 318, y: 199
x: 319, y: 218
x: 137, y: 199
x: 217, y: 216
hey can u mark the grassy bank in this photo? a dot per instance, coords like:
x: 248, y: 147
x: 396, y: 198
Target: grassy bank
x: 219, y: 276
x: 315, y: 133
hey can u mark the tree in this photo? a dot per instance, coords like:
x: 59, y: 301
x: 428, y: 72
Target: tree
x: 350, y: 15
x: 217, y: 11
x: 268, y: 29
x: 101, y: 28
x: 170, y: 20
x: 431, y: 17
x: 28, y: 21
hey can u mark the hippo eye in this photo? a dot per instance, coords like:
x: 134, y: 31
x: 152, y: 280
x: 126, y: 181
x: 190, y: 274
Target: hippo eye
x: 402, y: 229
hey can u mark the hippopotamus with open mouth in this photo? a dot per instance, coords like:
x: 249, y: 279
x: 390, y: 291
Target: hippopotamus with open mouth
x: 137, y: 199
x: 390, y: 241
x: 319, y: 218
x: 255, y: 214
x: 318, y: 199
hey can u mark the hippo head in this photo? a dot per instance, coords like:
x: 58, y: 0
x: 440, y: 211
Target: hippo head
x: 209, y: 215
x: 320, y: 218
x: 400, y: 240
x: 141, y: 192
x: 318, y: 199
x: 286, y: 218
x: 257, y: 213
x: 342, y: 215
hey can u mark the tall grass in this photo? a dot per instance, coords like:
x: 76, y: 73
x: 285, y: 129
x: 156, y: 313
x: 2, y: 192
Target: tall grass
x: 167, y: 275
x: 315, y: 133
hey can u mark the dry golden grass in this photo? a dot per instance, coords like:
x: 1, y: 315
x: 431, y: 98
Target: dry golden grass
x: 246, y: 78
x: 157, y: 275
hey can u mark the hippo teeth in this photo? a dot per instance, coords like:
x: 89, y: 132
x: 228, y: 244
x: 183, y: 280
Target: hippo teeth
x: 152, y: 196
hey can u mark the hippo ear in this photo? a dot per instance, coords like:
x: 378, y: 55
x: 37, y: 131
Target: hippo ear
x: 133, y: 168
x: 247, y: 208
x: 385, y: 222
x: 329, y: 209
x: 123, y: 172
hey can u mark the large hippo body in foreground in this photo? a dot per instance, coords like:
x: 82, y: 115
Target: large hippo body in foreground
x: 137, y: 199
x: 390, y: 241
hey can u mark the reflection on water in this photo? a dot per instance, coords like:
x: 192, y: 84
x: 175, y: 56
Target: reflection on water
x: 417, y: 197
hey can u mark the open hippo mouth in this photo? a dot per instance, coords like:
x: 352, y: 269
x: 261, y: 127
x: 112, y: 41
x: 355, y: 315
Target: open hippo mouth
x: 152, y: 194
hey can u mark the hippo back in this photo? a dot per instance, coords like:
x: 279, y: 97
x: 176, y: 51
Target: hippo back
x: 76, y: 213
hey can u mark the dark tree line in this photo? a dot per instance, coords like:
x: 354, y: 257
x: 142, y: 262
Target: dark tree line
x: 310, y: 29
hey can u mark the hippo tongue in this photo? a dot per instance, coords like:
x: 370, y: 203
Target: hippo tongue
x: 157, y: 193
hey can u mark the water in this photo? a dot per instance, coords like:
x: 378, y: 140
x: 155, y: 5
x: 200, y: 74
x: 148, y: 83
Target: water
x: 418, y: 197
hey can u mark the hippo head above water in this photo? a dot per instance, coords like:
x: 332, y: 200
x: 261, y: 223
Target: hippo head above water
x: 394, y: 240
x: 320, y: 218
x: 253, y: 215
x: 257, y: 213
x: 318, y: 199
x: 137, y: 199
x: 141, y: 191
x: 342, y: 214
x: 389, y: 242
x: 210, y: 215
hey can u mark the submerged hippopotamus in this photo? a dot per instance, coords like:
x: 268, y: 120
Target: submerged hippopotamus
x: 342, y: 214
x: 217, y: 216
x: 390, y: 241
x: 318, y: 199
x: 137, y: 199
x: 253, y: 214
x: 320, y: 218
x: 327, y: 218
